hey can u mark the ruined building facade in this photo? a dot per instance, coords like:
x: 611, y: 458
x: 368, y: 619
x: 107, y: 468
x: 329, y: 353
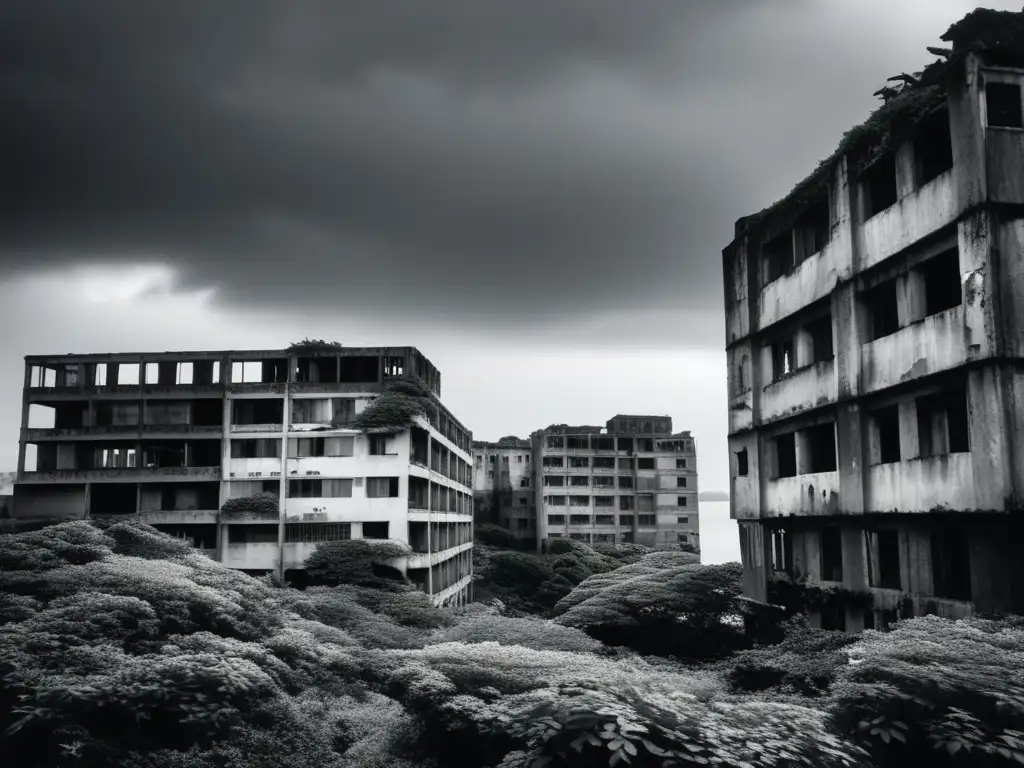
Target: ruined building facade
x: 503, y: 486
x: 875, y: 333
x: 169, y: 438
x: 631, y: 481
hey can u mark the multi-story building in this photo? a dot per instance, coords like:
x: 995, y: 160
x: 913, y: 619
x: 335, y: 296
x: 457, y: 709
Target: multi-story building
x: 503, y: 486
x: 630, y: 481
x: 168, y: 438
x: 875, y: 336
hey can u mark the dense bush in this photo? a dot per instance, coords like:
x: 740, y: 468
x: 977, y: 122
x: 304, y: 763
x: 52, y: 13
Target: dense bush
x: 259, y: 503
x: 942, y: 691
x: 539, y: 634
x: 397, y: 406
x: 359, y: 562
x: 806, y: 662
x: 665, y: 604
x: 494, y: 535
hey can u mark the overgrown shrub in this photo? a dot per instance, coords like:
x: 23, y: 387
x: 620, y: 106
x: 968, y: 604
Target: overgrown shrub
x: 359, y: 562
x: 494, y: 535
x: 259, y: 503
x: 539, y: 634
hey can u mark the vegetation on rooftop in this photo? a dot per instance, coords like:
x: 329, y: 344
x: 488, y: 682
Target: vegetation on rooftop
x: 907, y: 100
x: 307, y: 346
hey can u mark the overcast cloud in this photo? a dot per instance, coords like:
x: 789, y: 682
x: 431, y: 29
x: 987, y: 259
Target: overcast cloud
x: 542, y: 177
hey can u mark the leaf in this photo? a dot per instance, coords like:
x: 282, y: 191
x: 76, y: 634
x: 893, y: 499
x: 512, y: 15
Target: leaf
x: 614, y: 760
x: 898, y: 736
x: 900, y: 724
x: 953, y: 747
x: 628, y: 746
x: 885, y: 736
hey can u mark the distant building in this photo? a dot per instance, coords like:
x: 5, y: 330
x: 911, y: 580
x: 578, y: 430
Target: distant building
x: 503, y: 486
x: 875, y: 338
x: 630, y: 481
x: 168, y: 438
x: 7, y: 494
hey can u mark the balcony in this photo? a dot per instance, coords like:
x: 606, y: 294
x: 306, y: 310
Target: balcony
x: 346, y: 510
x: 813, y: 279
x: 919, y: 214
x: 122, y: 430
x: 178, y: 517
x: 803, y: 495
x: 804, y: 389
x: 929, y: 346
x: 241, y: 469
x: 244, y: 516
x: 424, y: 560
x: 933, y: 484
x: 1004, y: 148
x: 145, y: 474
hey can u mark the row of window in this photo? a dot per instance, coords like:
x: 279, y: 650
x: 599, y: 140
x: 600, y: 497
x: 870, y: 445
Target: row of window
x: 296, y: 533
x: 625, y: 502
x: 942, y: 428
x: 603, y: 462
x: 626, y: 444
x: 950, y: 551
x: 584, y: 481
x: 609, y: 520
x: 625, y: 537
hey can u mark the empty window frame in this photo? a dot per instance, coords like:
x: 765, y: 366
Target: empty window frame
x: 951, y: 563
x: 942, y: 423
x: 647, y: 463
x: 377, y: 530
x: 555, y: 501
x: 680, y: 482
x: 625, y: 482
x: 942, y: 288
x: 878, y: 185
x: 604, y: 462
x: 884, y: 559
x: 626, y: 502
x: 821, y: 441
x: 682, y: 501
x: 933, y: 147
x: 604, y: 501
x: 742, y: 463
x: 885, y: 435
x: 831, y: 554
x: 881, y: 305
x: 680, y: 463
x: 604, y: 520
x: 1003, y: 105
x: 579, y: 519
x: 550, y: 461
x: 554, y: 481
x: 812, y: 230
x: 579, y: 461
x: 785, y: 455
x: 646, y: 520
x: 820, y: 331
x: 783, y: 359
x: 579, y: 480
x: 295, y: 533
x: 265, y: 448
x: 782, y: 551
x: 556, y: 519
x: 778, y: 256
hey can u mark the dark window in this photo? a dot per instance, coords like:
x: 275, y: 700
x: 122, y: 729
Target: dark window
x: 625, y: 520
x: 879, y: 184
x: 604, y: 462
x: 812, y: 230
x: 869, y: 619
x: 625, y: 482
x: 831, y: 554
x: 778, y: 256
x: 889, y: 559
x: 556, y: 519
x: 680, y: 463
x: 933, y: 147
x: 887, y: 426
x: 680, y: 482
x: 645, y: 463
x: 942, y: 289
x: 1003, y: 103
x: 682, y: 520
x: 316, y: 532
x: 681, y: 502
x: 625, y: 502
x: 821, y: 338
x: 742, y: 466
x: 951, y: 564
x: 822, y: 448
x: 375, y: 530
x: 579, y: 519
x: 785, y: 450
x: 881, y: 306
x: 378, y: 445
x: 833, y: 617
x: 646, y: 519
x: 942, y: 423
x: 783, y: 361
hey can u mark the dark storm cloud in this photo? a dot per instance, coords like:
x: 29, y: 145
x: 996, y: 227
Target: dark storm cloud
x: 467, y: 159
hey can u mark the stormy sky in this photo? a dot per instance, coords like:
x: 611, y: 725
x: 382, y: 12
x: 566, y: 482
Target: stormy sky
x: 536, y: 193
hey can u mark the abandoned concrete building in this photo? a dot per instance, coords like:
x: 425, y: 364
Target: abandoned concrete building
x: 875, y: 339
x: 631, y: 481
x: 168, y: 438
x: 503, y: 486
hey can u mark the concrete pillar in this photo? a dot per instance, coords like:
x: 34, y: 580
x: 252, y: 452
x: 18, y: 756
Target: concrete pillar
x: 967, y: 133
x: 87, y: 500
x: 852, y: 457
x: 906, y: 178
x: 225, y: 452
x: 803, y: 452
x: 847, y: 323
x: 909, y: 446
x: 990, y: 409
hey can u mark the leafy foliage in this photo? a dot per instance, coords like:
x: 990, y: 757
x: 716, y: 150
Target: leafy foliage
x: 945, y: 689
x: 259, y: 504
x: 538, y: 634
x: 307, y: 346
x: 665, y: 604
x: 494, y: 535
x: 397, y: 407
x: 359, y: 562
x: 805, y: 663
